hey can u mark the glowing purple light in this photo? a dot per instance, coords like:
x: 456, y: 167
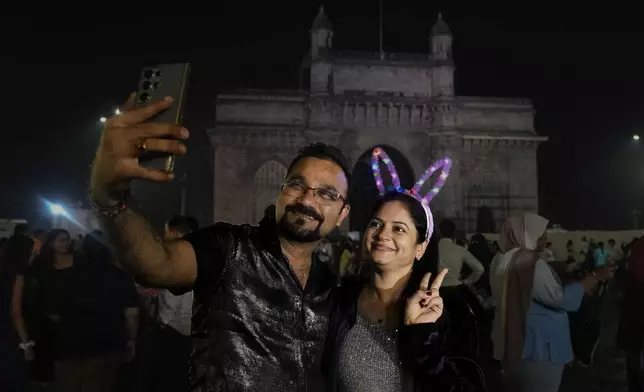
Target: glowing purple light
x: 379, y: 153
x: 445, y: 164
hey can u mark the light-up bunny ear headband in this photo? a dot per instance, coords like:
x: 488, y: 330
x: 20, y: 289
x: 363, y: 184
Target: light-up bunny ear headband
x: 445, y: 164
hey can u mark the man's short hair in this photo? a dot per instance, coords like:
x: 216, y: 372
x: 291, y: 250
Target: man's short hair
x: 448, y: 229
x: 326, y: 152
x: 21, y: 228
x: 183, y: 224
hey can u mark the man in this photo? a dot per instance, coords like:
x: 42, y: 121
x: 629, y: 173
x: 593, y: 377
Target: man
x: 453, y: 256
x: 172, y: 337
x: 461, y: 303
x: 615, y: 254
x: 261, y: 301
x: 631, y: 324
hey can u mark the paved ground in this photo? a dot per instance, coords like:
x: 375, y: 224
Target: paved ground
x: 608, y: 371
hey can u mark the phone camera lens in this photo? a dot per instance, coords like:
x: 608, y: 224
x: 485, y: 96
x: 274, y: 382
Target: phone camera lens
x: 146, y: 85
x: 148, y: 73
x: 144, y: 97
x: 157, y: 73
x: 155, y: 85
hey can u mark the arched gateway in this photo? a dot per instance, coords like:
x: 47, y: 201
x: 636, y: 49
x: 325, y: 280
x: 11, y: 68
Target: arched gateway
x: 357, y: 100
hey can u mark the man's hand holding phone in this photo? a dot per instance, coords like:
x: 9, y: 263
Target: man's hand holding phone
x: 125, y: 137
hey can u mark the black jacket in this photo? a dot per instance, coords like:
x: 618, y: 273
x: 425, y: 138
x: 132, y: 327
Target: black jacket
x: 421, y: 347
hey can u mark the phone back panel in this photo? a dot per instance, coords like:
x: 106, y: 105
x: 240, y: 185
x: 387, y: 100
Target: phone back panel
x: 161, y: 201
x: 155, y: 83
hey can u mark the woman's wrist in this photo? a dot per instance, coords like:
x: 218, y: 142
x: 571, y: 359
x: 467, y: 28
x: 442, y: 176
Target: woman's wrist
x: 26, y: 345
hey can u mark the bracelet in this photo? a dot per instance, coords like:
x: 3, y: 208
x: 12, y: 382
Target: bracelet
x: 25, y: 345
x: 113, y: 211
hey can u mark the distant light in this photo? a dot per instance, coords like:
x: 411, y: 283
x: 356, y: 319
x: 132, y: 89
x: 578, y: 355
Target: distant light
x: 636, y: 137
x: 103, y: 119
x: 57, y: 209
x: 117, y: 112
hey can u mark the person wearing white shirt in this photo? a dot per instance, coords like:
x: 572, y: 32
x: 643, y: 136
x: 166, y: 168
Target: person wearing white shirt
x: 615, y: 254
x: 174, y: 325
x: 453, y: 256
x: 458, y: 294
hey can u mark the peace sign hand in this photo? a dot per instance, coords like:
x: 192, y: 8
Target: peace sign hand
x: 426, y: 306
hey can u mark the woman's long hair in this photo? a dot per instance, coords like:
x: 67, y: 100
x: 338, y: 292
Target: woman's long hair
x: 46, y: 256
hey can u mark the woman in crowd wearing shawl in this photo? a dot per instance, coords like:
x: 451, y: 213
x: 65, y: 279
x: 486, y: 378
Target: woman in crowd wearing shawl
x: 531, y: 332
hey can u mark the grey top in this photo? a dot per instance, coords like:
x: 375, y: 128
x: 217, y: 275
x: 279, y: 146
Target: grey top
x: 369, y: 360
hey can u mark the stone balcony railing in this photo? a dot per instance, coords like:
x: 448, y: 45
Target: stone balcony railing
x: 398, y: 112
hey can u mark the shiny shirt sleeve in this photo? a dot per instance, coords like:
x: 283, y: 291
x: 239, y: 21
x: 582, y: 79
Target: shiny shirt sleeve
x: 212, y: 246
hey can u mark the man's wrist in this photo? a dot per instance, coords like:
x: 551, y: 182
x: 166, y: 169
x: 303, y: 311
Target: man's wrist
x: 106, y: 199
x: 109, y: 206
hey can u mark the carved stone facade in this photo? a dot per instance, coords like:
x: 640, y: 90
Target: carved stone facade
x: 359, y: 100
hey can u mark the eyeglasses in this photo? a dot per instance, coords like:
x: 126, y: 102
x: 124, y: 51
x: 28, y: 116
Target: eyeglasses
x: 296, y: 188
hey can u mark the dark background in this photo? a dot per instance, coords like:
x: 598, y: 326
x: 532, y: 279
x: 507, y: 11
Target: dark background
x: 582, y: 68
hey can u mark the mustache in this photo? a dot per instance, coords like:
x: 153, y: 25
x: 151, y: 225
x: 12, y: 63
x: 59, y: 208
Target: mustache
x: 304, y: 210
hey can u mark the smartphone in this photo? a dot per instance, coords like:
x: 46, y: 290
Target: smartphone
x: 157, y: 82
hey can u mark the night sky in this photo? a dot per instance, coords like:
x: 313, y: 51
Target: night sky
x: 583, y: 72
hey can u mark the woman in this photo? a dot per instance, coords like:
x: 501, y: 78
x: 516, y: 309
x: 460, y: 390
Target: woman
x: 37, y: 301
x: 531, y: 331
x: 15, y: 256
x: 31, y: 323
x: 384, y: 334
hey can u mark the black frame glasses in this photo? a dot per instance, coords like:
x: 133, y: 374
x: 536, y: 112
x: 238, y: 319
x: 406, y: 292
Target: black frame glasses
x: 296, y: 188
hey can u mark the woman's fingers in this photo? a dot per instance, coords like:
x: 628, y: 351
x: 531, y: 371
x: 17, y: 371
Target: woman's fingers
x: 424, y: 283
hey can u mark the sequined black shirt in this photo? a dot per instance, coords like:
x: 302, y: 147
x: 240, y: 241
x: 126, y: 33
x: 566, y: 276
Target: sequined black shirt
x: 254, y: 328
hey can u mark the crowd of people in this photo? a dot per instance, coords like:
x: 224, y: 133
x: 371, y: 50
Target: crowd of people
x: 74, y: 320
x: 257, y: 308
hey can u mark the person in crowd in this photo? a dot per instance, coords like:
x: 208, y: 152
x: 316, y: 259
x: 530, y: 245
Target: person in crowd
x: 630, y: 337
x: 548, y: 254
x: 600, y: 255
x: 384, y: 333
x: 531, y: 331
x: 480, y: 249
x: 21, y: 228
x: 36, y: 290
x: 39, y: 237
x: 262, y: 300
x: 461, y: 303
x: 347, y: 256
x: 110, y: 321
x: 453, y: 256
x: 171, y: 351
x: 16, y: 254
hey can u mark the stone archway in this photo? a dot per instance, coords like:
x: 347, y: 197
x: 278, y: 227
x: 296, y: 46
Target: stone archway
x: 268, y: 182
x: 363, y: 192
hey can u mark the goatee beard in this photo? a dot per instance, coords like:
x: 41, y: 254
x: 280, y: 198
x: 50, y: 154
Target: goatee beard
x: 296, y: 232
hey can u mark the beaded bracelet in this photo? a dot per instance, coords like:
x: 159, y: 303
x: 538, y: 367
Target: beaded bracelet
x: 113, y: 211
